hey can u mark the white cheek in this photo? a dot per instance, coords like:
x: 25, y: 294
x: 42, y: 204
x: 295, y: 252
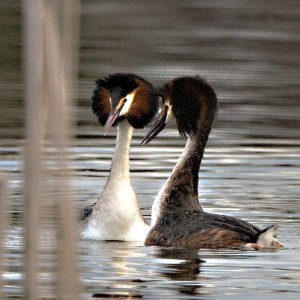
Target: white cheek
x: 127, y: 105
x: 170, y: 117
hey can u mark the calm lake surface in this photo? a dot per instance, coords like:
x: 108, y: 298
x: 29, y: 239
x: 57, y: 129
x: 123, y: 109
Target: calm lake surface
x: 250, y: 52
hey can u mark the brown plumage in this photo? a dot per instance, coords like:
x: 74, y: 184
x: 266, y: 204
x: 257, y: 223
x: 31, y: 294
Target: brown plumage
x: 177, y: 217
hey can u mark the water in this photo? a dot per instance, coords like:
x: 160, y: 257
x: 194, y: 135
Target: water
x: 250, y: 53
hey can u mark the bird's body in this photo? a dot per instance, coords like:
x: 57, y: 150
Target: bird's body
x: 178, y: 219
x: 116, y: 214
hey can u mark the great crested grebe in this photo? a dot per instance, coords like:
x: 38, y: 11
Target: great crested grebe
x: 178, y: 219
x: 128, y: 101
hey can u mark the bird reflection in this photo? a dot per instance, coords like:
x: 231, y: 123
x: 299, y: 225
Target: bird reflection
x: 184, y: 265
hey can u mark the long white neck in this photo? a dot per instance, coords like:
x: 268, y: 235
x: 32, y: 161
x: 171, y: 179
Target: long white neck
x: 120, y: 162
x: 116, y: 214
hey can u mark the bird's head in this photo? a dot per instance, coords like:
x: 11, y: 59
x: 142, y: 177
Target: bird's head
x: 187, y: 100
x: 124, y: 96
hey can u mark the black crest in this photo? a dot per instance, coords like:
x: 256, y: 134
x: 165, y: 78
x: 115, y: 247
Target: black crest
x: 144, y: 105
x: 189, y: 96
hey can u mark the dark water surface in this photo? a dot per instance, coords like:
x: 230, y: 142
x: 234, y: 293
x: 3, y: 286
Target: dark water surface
x: 250, y: 52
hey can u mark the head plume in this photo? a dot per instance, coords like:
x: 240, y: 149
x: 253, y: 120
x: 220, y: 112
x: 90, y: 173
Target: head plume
x: 189, y: 97
x: 144, y: 102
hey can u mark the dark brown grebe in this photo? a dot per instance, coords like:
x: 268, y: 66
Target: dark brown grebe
x: 178, y: 219
x: 128, y: 101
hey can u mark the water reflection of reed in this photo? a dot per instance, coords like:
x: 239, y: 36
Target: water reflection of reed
x: 3, y: 227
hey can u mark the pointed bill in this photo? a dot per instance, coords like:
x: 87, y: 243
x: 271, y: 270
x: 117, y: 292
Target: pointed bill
x: 158, y: 127
x: 113, y: 116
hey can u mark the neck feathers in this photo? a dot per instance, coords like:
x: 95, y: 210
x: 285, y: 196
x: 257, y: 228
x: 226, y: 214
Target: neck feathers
x: 120, y: 162
x: 181, y: 189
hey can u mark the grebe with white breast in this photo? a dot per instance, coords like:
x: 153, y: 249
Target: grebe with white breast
x: 128, y: 101
x: 177, y: 217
